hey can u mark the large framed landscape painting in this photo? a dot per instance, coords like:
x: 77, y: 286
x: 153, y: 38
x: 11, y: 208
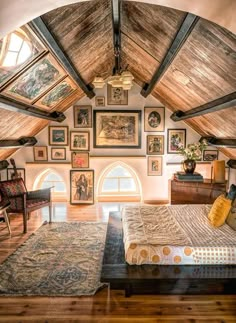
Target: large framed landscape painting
x: 36, y: 80
x: 117, y: 129
x: 82, y: 186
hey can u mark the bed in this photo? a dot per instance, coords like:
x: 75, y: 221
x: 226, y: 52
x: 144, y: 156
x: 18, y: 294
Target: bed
x: 176, y: 235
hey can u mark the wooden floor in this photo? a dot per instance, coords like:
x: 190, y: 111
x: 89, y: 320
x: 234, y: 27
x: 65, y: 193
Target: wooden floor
x: 106, y: 305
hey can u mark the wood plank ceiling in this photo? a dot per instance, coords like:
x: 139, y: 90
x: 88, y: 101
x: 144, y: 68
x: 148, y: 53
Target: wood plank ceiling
x: 203, y: 70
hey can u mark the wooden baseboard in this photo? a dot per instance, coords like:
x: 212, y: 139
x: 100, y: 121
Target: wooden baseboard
x: 158, y: 202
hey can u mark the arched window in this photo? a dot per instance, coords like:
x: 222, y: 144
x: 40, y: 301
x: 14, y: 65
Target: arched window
x: 119, y: 182
x: 51, y: 179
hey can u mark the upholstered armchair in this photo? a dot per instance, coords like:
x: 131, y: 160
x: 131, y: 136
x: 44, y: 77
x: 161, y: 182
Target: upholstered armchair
x: 22, y: 201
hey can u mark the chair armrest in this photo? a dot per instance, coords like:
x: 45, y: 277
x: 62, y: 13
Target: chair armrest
x: 4, y: 205
x: 42, y: 193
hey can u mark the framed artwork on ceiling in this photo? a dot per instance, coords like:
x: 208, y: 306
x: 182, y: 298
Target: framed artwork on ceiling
x: 12, y: 48
x: 58, y: 135
x: 58, y: 153
x: 100, y: 101
x: 155, y: 145
x: 58, y: 94
x: 82, y: 116
x: 175, y: 137
x: 16, y: 173
x: 154, y: 165
x: 116, y: 95
x: 210, y: 155
x: 154, y: 119
x: 35, y: 81
x: 40, y: 153
x: 82, y: 186
x: 79, y: 159
x: 117, y: 129
x: 79, y: 140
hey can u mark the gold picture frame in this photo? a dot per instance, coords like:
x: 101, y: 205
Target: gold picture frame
x: 58, y: 135
x: 100, y: 101
x: 155, y: 145
x: 79, y: 140
x: 154, y: 165
x: 175, y: 137
x: 82, y: 186
x: 40, y: 153
x: 154, y: 119
x: 58, y: 153
x: 79, y: 159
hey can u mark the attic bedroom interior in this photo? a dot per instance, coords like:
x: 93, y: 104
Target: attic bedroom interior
x: 117, y: 161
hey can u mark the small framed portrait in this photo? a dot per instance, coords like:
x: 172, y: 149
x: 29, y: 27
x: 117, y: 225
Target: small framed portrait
x: 82, y: 116
x: 82, y: 186
x: 58, y: 153
x: 155, y: 145
x: 79, y: 160
x: 210, y: 155
x: 40, y: 153
x: 13, y: 173
x: 100, y: 101
x: 79, y: 140
x: 154, y: 165
x: 175, y: 137
x: 154, y: 119
x: 116, y: 95
x: 58, y: 135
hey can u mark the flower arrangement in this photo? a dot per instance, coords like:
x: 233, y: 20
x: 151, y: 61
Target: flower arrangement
x: 192, y: 151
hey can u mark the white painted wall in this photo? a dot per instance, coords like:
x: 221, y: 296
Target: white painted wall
x: 154, y: 187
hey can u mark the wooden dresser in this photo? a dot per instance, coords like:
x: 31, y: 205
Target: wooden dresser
x: 194, y: 192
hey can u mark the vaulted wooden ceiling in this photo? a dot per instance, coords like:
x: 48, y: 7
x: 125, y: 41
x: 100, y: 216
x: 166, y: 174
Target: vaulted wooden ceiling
x: 203, y: 70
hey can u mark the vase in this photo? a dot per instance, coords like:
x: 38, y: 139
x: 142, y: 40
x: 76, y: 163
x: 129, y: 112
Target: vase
x: 189, y: 166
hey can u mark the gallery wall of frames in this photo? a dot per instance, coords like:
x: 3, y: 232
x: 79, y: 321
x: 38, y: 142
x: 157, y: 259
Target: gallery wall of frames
x: 139, y: 132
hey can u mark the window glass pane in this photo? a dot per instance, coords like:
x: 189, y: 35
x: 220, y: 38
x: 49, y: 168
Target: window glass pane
x: 118, y: 171
x: 10, y: 59
x: 59, y: 187
x: 15, y: 43
x: 127, y: 185
x: 52, y: 177
x: 110, y: 185
x: 46, y: 185
x: 24, y: 53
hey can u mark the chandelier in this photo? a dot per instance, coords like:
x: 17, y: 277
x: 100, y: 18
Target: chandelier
x: 124, y: 80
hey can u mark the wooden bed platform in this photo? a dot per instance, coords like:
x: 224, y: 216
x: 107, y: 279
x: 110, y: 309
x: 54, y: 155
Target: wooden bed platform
x: 159, y: 279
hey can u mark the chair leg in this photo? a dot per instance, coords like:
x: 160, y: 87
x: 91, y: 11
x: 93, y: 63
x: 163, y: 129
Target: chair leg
x: 25, y: 219
x: 7, y: 221
x: 50, y: 212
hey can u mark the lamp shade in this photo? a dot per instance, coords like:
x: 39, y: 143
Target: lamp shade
x: 98, y: 82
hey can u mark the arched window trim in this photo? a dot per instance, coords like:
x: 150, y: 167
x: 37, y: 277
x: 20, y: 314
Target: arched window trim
x: 56, y: 196
x: 123, y: 196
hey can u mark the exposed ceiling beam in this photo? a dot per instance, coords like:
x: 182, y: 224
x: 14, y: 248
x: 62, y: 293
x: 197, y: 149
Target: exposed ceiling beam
x: 232, y: 163
x: 13, y: 105
x: 116, y: 5
x: 219, y: 142
x: 3, y: 164
x: 22, y: 142
x: 42, y: 31
x: 227, y: 101
x: 180, y: 38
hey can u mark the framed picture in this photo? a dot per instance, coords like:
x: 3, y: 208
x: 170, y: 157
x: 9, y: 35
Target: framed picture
x: 100, y: 101
x: 40, y: 153
x: 59, y: 93
x: 82, y: 116
x: 27, y: 87
x: 116, y: 95
x: 154, y: 165
x: 82, y: 186
x: 154, y: 119
x: 117, y: 129
x: 155, y: 145
x: 174, y: 138
x: 210, y: 155
x: 79, y: 140
x: 79, y: 160
x: 58, y: 153
x: 58, y: 135
x: 16, y: 173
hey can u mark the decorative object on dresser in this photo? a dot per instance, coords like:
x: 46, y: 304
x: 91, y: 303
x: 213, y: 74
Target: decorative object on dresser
x: 82, y: 116
x: 192, y: 192
x: 189, y: 177
x: 154, y: 119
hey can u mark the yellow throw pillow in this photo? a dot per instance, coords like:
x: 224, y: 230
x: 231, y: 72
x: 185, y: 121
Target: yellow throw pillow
x: 219, y: 211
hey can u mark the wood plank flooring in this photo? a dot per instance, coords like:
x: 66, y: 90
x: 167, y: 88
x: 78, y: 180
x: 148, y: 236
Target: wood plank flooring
x: 107, y: 305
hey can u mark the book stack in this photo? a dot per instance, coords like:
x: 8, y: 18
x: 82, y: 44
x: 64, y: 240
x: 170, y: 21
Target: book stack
x: 187, y: 177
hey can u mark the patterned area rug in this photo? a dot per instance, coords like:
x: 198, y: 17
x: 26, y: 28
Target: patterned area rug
x: 59, y: 259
